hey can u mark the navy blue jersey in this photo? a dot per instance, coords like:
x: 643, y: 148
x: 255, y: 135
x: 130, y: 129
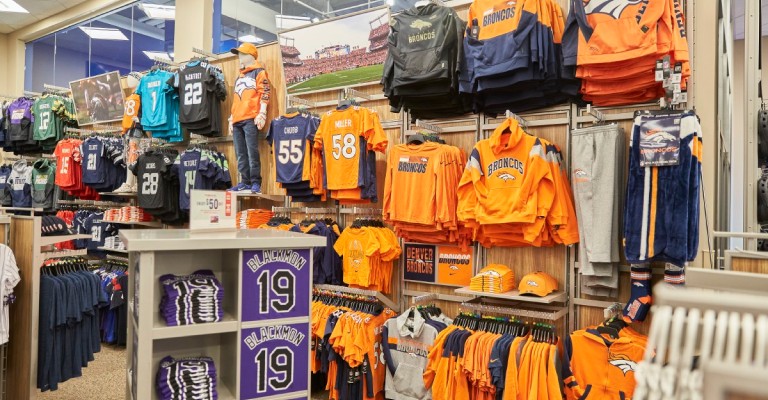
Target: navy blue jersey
x: 5, y: 186
x: 289, y: 136
x: 92, y: 152
x: 21, y: 185
x: 194, y: 170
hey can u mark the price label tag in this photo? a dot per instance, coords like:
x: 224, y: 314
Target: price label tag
x: 276, y: 284
x: 274, y: 360
x: 211, y: 210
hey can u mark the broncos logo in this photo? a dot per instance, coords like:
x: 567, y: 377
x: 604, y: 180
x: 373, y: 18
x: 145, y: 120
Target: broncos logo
x: 453, y: 269
x: 244, y: 83
x: 622, y: 362
x: 656, y: 138
x: 420, y: 24
x: 506, y: 177
x: 613, y: 8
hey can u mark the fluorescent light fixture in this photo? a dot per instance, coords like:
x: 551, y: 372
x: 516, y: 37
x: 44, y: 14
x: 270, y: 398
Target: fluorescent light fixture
x: 290, y: 21
x: 250, y: 39
x: 153, y: 55
x: 103, y: 33
x: 390, y: 3
x: 156, y: 11
x: 12, y: 6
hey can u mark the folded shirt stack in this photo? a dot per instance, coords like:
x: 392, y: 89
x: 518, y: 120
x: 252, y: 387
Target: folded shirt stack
x: 186, y: 378
x: 191, y: 299
x: 494, y: 278
x: 253, y: 218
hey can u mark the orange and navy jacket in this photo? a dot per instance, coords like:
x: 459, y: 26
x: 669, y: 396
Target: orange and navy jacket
x: 251, y: 91
x: 507, y: 179
x: 598, y: 368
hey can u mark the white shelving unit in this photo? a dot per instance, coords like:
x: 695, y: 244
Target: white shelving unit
x: 230, y: 255
x: 151, y: 224
x: 51, y: 240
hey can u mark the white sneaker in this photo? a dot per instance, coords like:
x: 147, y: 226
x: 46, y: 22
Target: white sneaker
x: 124, y: 188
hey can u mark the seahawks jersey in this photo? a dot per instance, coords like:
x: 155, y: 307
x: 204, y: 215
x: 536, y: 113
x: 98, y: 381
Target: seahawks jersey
x: 288, y: 136
x: 195, y: 81
x: 192, y: 167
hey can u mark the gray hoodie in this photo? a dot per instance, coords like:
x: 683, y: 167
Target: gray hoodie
x: 409, y: 340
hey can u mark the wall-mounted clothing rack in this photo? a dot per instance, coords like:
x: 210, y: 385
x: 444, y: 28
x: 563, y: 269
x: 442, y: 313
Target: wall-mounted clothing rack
x: 351, y: 93
x: 361, y: 211
x: 520, y: 120
x: 428, y: 126
x: 435, y: 296
x: 545, y: 313
x: 205, y: 53
x: 53, y: 88
x: 28, y: 93
x: 300, y: 101
x: 595, y: 113
x: 80, y: 131
x: 96, y: 203
x: 361, y: 292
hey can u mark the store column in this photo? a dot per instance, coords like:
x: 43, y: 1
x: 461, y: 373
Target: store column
x: 194, y: 22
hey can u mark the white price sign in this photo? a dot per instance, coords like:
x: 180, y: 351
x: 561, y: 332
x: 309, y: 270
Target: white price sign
x: 211, y: 210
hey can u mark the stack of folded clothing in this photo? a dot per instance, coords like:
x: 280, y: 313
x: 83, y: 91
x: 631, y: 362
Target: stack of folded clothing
x: 114, y: 243
x: 253, y: 218
x: 127, y: 214
x: 191, y: 299
x: 494, y: 278
x: 187, y: 378
x: 54, y: 226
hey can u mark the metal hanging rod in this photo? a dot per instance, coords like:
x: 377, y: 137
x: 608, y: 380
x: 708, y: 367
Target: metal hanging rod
x: 361, y: 292
x: 354, y: 93
x: 595, y: 113
x: 438, y: 296
x: 320, y: 210
x: 117, y: 258
x: 91, y: 131
x: 56, y: 88
x: 287, y: 209
x: 428, y: 126
x: 612, y: 310
x: 205, y: 53
x: 361, y: 210
x: 28, y: 93
x: 515, y: 312
x: 424, y: 298
x: 299, y: 100
x: 520, y: 120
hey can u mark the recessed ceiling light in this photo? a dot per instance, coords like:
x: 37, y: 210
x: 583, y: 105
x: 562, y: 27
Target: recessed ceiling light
x: 156, y: 11
x: 103, y: 33
x: 11, y: 6
x: 154, y: 55
x: 250, y: 39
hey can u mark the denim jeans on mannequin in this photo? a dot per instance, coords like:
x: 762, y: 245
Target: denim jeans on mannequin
x: 245, y: 135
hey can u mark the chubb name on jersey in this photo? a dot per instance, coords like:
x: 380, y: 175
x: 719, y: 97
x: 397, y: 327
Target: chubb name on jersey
x: 506, y: 162
x: 498, y: 16
x: 420, y: 37
x: 290, y: 130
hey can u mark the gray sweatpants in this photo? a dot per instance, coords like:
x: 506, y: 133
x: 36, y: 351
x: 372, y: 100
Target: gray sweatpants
x: 597, y: 165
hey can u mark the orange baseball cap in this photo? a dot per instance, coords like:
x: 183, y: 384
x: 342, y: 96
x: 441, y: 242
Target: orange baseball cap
x: 247, y: 48
x: 537, y: 283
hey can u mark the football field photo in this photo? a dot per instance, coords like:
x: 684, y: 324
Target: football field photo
x: 371, y: 73
x: 355, y: 54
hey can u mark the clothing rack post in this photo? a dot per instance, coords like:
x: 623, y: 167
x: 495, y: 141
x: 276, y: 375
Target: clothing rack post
x: 595, y: 113
x: 361, y: 292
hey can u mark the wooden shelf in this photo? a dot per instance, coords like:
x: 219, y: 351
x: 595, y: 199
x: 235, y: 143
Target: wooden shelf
x: 554, y: 297
x: 49, y: 240
x: 272, y: 197
x: 162, y: 331
x: 113, y: 250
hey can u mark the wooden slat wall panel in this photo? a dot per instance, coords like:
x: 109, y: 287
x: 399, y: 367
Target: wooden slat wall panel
x: 21, y: 313
x: 743, y: 264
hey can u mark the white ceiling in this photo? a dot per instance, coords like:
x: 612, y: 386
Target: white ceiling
x: 38, y: 10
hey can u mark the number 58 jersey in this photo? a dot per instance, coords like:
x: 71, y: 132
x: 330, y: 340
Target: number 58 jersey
x: 342, y: 136
x: 288, y: 136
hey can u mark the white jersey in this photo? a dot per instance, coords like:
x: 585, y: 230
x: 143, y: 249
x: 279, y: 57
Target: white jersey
x: 9, y: 278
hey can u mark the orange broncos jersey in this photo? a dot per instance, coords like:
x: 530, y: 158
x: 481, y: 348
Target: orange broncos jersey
x: 339, y: 139
x: 132, y: 108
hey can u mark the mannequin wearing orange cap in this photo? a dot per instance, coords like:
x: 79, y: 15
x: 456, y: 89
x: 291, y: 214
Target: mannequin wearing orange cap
x: 249, y: 115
